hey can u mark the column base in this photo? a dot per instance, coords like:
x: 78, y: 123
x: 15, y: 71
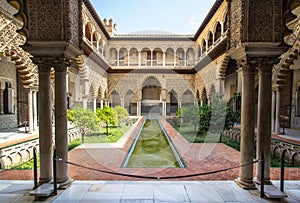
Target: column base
x: 266, y: 181
x: 64, y: 184
x: 45, y: 180
x: 245, y: 184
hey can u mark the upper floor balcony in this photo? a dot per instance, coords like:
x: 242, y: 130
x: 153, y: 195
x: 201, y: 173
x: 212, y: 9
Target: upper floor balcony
x: 133, y: 58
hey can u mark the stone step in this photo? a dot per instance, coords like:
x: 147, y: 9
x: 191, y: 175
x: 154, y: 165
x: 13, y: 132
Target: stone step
x: 44, y: 190
x: 272, y: 192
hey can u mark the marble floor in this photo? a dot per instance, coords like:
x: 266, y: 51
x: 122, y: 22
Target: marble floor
x: 146, y: 191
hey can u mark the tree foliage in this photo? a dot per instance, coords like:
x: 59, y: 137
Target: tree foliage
x: 190, y: 115
x: 120, y: 114
x: 84, y: 120
x: 215, y: 118
x: 106, y: 115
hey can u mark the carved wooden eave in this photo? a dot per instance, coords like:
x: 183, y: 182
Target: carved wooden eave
x: 11, y: 41
x: 96, y: 17
x: 287, y: 59
x: 208, y: 18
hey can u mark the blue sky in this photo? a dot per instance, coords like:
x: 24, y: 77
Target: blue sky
x: 175, y: 16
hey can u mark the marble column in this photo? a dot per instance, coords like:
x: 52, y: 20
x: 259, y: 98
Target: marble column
x: 277, y: 114
x: 245, y: 179
x: 85, y: 93
x: 45, y: 124
x: 139, y: 108
x: 240, y: 80
x: 273, y: 110
x: 1, y: 102
x: 179, y: 104
x: 94, y: 105
x: 101, y: 103
x: 164, y: 108
x: 221, y: 88
x: 264, y: 131
x: 122, y: 103
x: 106, y: 102
x: 35, y: 116
x: 61, y: 129
x: 84, y: 102
x: 30, y: 110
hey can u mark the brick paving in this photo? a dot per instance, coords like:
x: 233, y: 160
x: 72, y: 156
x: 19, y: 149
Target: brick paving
x: 200, y: 158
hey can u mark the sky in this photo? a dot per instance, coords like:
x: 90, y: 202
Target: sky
x: 173, y: 16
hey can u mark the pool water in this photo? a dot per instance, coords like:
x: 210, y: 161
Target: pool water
x: 152, y: 149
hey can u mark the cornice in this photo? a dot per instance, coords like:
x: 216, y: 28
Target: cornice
x: 96, y: 17
x: 208, y: 17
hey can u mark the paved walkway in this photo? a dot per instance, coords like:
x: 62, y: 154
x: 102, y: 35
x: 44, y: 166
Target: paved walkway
x: 199, y: 158
x: 152, y: 191
x: 110, y: 188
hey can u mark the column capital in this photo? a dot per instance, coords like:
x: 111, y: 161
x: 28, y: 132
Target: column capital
x: 266, y: 64
x: 47, y: 62
x: 247, y: 66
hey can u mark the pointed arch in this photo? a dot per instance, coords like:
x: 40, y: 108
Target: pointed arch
x: 130, y: 102
x: 151, y: 89
x: 188, y: 98
x: 173, y: 102
x: 204, y: 96
x: 115, y: 99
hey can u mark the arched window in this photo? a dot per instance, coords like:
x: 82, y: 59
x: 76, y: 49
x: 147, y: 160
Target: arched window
x: 88, y: 31
x: 210, y: 40
x: 146, y: 57
x: 113, y: 57
x: 218, y: 31
x: 7, y: 99
x: 298, y: 102
x: 134, y: 57
x: 157, y: 57
x: 203, y: 46
x: 180, y: 57
x: 170, y: 57
x: 123, y: 57
x: 190, y: 56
